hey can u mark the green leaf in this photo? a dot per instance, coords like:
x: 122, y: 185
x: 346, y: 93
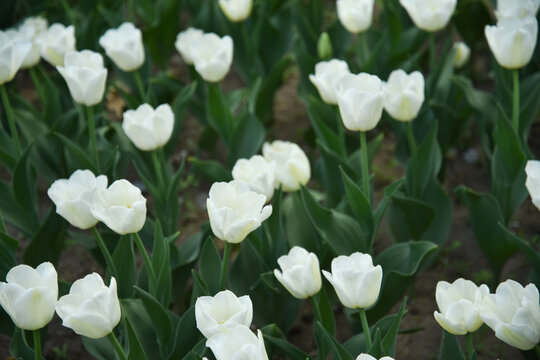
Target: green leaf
x: 80, y: 155
x: 218, y: 113
x: 24, y: 219
x: 388, y: 195
x: 8, y: 252
x: 273, y: 335
x: 161, y: 263
x: 101, y: 349
x: 359, y: 204
x: 327, y: 313
x: 186, y: 336
x: 246, y: 139
x: 19, y: 347
x: 24, y: 182
x: 210, y: 265
x: 124, y: 261
x: 136, y: 351
x: 212, y: 170
x: 158, y: 314
x: 48, y: 242
x: 389, y: 340
x: 424, y: 165
x: 450, y: 349
x: 142, y: 324
x: 329, y: 343
x: 298, y: 227
x: 524, y: 246
x: 409, y: 218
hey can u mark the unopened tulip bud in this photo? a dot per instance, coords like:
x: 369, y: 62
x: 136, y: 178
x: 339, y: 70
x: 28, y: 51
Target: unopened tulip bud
x: 430, y: 15
x: 147, y: 128
x: 462, y: 54
x: 124, y: 46
x: 300, y: 273
x: 355, y: 15
x: 236, y: 10
x: 404, y: 95
x: 324, y: 46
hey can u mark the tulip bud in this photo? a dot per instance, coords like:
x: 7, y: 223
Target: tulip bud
x: 327, y: 77
x: 121, y: 207
x: 369, y: 357
x: 458, y: 303
x: 185, y: 40
x: 324, y: 46
x: 360, y: 100
x: 301, y: 275
x: 404, y: 95
x: 73, y: 197
x: 222, y: 312
x: 238, y: 343
x: 430, y: 15
x: 85, y: 76
x: 55, y: 42
x: 355, y: 15
x: 291, y: 164
x: 124, y: 46
x: 258, y: 173
x: 90, y: 309
x: 356, y: 281
x: 513, y: 312
x: 235, y: 211
x: 28, y: 296
x: 533, y: 181
x: 462, y: 54
x: 512, y: 41
x: 147, y: 128
x: 236, y: 10
x: 513, y: 8
x: 12, y: 55
x: 212, y: 56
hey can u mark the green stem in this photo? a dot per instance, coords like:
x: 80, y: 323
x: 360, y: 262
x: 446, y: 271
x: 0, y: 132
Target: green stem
x: 365, y: 166
x: 365, y: 327
x: 37, y: 345
x: 432, y: 52
x: 365, y: 50
x: 225, y: 266
x: 68, y: 11
x: 92, y: 134
x: 316, y: 308
x: 37, y: 83
x: 515, y: 109
x: 146, y: 259
x: 157, y: 169
x: 11, y: 120
x: 140, y: 86
x: 410, y: 138
x: 106, y: 254
x: 117, y: 347
x: 470, y: 347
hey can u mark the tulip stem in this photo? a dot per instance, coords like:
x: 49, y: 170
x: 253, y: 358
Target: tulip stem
x: 316, y: 308
x: 365, y: 166
x: 470, y: 347
x: 410, y: 138
x: 11, y: 120
x: 146, y: 259
x: 365, y: 50
x: 37, y: 83
x: 117, y: 347
x: 37, y: 345
x: 92, y: 133
x: 140, y: 86
x: 157, y: 168
x: 106, y: 254
x: 225, y: 266
x: 432, y: 53
x: 365, y: 326
x: 515, y: 109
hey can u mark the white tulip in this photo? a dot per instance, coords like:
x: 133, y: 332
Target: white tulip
x: 430, y: 15
x: 462, y: 54
x: 533, y: 181
x: 517, y: 8
x: 512, y: 41
x: 121, y: 207
x: 513, y: 312
x: 239, y: 343
x: 369, y: 357
x: 235, y: 211
x: 360, y: 100
x: 236, y: 10
x: 85, y: 76
x: 458, y: 303
x: 221, y: 312
x: 147, y: 128
x: 404, y: 95
x: 258, y: 173
x: 185, y: 40
x: 212, y: 56
x: 56, y: 42
x: 28, y: 296
x: 90, y: 309
x: 291, y: 164
x: 29, y: 30
x: 301, y: 275
x: 327, y: 77
x: 355, y: 15
x: 124, y: 46
x: 13, y: 51
x: 356, y: 281
x: 73, y: 197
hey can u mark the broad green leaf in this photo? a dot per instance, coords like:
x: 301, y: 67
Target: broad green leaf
x: 48, y: 242
x: 450, y: 349
x: 158, y: 314
x: 136, y: 352
x: 327, y: 313
x: 101, y: 349
x: 389, y: 338
x: 246, y: 139
x: 388, y: 195
x: 8, y: 252
x: 80, y: 156
x: 19, y: 348
x: 409, y: 218
x: 124, y: 261
x: 423, y: 166
x: 273, y: 335
x: 212, y: 170
x: 298, y: 227
x: 186, y: 336
x: 142, y: 324
x: 525, y: 247
x: 24, y: 182
x: 359, y: 204
x: 210, y: 265
x: 218, y: 113
x: 328, y: 342
x: 161, y: 264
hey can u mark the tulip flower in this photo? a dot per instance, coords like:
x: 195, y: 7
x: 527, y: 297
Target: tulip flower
x: 212, y: 56
x: 257, y: 173
x: 222, y: 312
x: 121, y: 207
x: 430, y: 15
x: 512, y: 40
x: 236, y: 10
x: 29, y: 31
x: 56, y: 42
x: 185, y: 40
x: 369, y: 357
x: 458, y: 303
x: 404, y: 95
x: 327, y: 77
x: 147, y: 128
x: 533, y: 181
x: 235, y: 211
x: 238, y: 343
x: 90, y: 309
x: 513, y: 312
x: 29, y: 295
x: 300, y: 273
x: 124, y: 46
x: 513, y: 8
x: 355, y: 15
x: 73, y: 197
x: 291, y: 164
x: 13, y: 51
x: 462, y: 54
